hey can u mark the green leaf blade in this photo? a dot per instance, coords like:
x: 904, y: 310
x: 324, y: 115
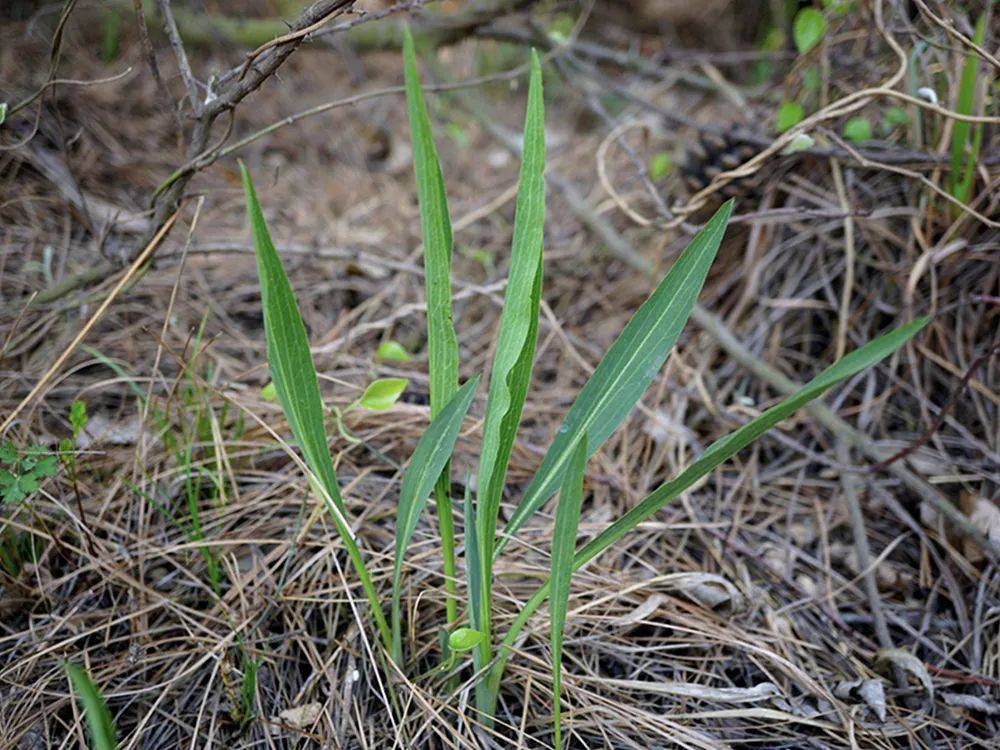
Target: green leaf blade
x: 789, y: 115
x: 432, y: 453
x: 297, y: 388
x: 808, y: 29
x: 435, y: 222
x: 718, y: 452
x: 288, y: 354
x: 102, y: 729
x: 628, y: 368
x: 465, y: 639
x: 519, y: 320
x: 442, y: 344
x: 726, y: 447
x: 563, y: 547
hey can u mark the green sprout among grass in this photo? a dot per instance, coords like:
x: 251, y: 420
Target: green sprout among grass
x: 621, y: 378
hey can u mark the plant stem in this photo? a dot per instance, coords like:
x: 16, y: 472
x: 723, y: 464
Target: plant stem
x: 446, y: 526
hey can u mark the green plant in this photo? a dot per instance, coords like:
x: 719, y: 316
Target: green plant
x: 617, y: 383
x: 442, y: 345
x: 858, y: 129
x: 102, y: 728
x: 244, y: 708
x: 965, y: 152
x: 808, y: 29
x: 392, y: 351
x: 23, y: 471
x: 789, y: 115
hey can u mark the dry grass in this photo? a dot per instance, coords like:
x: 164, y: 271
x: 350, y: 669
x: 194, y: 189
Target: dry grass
x: 732, y: 620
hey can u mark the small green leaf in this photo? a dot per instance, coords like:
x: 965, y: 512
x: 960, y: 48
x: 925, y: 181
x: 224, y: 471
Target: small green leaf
x: 77, y: 417
x: 808, y: 28
x: 382, y: 393
x: 269, y: 392
x: 800, y: 142
x: 789, y: 115
x: 13, y: 494
x: 392, y: 350
x: 6, y: 478
x: 464, y: 639
x: 660, y: 165
x: 47, y: 467
x: 8, y: 453
x: 28, y: 483
x: 102, y: 728
x: 3, y: 112
x: 858, y: 129
x: 563, y: 547
x: 895, y: 116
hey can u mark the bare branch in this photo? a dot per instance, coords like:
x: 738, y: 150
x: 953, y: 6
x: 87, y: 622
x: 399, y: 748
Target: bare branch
x: 190, y: 83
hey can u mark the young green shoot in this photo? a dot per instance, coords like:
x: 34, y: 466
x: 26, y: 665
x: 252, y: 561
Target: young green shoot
x: 442, y: 346
x: 102, y: 728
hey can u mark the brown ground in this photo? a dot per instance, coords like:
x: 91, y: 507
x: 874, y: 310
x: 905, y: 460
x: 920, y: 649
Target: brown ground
x: 738, y: 617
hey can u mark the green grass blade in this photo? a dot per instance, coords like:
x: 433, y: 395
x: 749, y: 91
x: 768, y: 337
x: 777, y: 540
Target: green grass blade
x: 725, y: 448
x: 474, y: 581
x: 288, y: 355
x: 436, y: 224
x: 442, y: 345
x: 294, y: 378
x: 429, y: 457
x: 102, y: 728
x: 515, y: 347
x: 473, y: 569
x: 964, y: 155
x: 627, y: 369
x: 718, y: 452
x: 519, y: 319
x: 563, y: 547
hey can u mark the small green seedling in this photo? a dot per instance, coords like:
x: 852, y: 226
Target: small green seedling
x: 616, y: 385
x: 21, y: 472
x: 789, y: 115
x: 965, y: 148
x: 660, y: 165
x: 808, y: 29
x: 858, y: 129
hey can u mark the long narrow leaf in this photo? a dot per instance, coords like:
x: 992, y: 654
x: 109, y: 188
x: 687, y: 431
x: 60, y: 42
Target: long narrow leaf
x: 442, y: 345
x: 717, y: 453
x: 519, y: 319
x: 288, y: 355
x: 627, y: 369
x: 474, y: 579
x: 294, y: 378
x: 515, y: 346
x: 436, y: 225
x: 563, y: 546
x: 429, y: 457
x: 728, y: 446
x: 964, y: 154
x: 102, y: 728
